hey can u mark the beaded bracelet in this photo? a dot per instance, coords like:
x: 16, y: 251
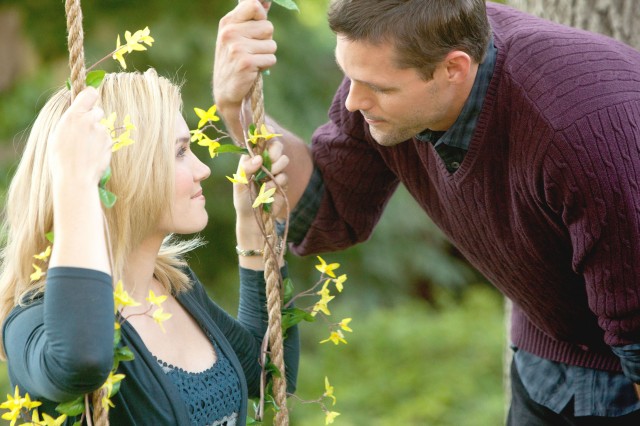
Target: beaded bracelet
x: 259, y: 252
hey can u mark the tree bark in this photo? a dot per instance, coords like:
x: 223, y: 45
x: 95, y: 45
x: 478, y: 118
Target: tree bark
x: 614, y: 18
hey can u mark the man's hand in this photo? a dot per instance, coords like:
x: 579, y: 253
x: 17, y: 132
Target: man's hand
x: 244, y: 47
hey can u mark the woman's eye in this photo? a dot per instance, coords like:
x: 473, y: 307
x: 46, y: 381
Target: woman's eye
x: 181, y: 152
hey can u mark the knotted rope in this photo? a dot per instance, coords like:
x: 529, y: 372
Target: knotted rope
x: 272, y: 276
x: 75, y: 41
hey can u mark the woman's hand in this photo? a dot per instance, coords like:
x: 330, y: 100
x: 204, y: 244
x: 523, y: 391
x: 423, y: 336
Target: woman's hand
x: 79, y: 152
x: 248, y: 233
x: 242, y: 199
x: 80, y: 147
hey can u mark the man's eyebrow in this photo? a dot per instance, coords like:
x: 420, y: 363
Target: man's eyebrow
x: 366, y: 83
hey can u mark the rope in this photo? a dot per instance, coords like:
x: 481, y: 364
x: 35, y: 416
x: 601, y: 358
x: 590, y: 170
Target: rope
x: 75, y: 41
x: 272, y: 277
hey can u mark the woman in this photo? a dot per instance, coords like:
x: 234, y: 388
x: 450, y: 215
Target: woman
x: 58, y: 331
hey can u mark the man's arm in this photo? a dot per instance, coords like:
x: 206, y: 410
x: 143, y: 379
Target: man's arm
x: 245, y: 47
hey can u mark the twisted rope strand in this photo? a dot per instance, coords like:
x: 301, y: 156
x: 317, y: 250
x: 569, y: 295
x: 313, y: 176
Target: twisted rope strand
x: 75, y: 40
x: 272, y: 277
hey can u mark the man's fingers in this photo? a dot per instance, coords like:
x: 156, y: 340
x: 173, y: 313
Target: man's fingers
x: 247, y: 10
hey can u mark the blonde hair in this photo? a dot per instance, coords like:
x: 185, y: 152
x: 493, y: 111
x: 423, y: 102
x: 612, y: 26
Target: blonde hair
x: 142, y: 179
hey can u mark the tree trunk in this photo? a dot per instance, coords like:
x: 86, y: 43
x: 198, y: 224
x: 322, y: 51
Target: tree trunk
x: 614, y: 18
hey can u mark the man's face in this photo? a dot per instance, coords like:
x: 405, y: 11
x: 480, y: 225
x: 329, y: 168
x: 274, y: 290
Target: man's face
x: 396, y: 103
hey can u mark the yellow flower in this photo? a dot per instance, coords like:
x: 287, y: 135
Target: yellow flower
x: 321, y: 305
x: 239, y: 177
x: 344, y: 324
x: 121, y: 141
x: 336, y: 337
x: 111, y: 380
x: 328, y: 390
x: 121, y: 298
x: 197, y: 135
x: 206, y: 116
x: 155, y: 300
x: 339, y: 282
x: 159, y: 316
x: 109, y: 122
x: 330, y: 417
x: 128, y: 125
x: 37, y: 273
x: 262, y: 134
x: 211, y: 144
x: 43, y: 255
x: 118, y: 55
x: 327, y: 269
x: 264, y: 197
x: 108, y: 385
x: 134, y: 42
x: 14, y: 404
x: 46, y: 420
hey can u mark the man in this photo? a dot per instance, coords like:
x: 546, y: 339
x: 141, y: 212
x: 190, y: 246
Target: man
x: 520, y: 138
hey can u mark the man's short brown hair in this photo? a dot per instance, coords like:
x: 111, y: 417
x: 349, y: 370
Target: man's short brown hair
x: 423, y: 32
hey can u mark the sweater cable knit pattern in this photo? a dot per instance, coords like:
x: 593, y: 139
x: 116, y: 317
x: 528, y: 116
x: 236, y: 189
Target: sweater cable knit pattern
x: 547, y: 196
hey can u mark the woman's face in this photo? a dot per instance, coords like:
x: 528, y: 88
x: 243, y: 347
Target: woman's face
x: 187, y: 214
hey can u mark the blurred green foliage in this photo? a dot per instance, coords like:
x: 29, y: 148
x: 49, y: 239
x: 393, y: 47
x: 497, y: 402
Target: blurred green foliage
x: 426, y: 347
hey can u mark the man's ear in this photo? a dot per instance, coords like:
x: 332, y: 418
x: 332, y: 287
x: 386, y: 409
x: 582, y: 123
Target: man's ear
x: 457, y: 65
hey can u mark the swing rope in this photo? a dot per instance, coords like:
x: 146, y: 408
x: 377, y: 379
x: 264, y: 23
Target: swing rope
x: 272, y: 276
x: 75, y: 41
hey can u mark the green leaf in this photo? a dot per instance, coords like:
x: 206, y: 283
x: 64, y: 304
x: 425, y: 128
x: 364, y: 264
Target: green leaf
x: 105, y: 177
x: 288, y: 290
x: 115, y: 388
x: 68, y: 82
x: 116, y: 338
x: 108, y: 198
x: 49, y: 236
x: 222, y: 149
x: 287, y: 4
x: 292, y: 316
x: 122, y: 353
x: 71, y: 408
x: 95, y: 77
x: 266, y: 162
x: 271, y: 368
x: 252, y: 421
x: 78, y: 423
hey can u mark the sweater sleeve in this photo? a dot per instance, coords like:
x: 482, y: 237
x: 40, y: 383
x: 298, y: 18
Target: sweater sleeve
x: 592, y: 184
x: 357, y: 182
x: 62, y: 347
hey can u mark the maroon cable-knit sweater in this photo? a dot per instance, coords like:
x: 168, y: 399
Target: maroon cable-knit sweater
x: 546, y: 203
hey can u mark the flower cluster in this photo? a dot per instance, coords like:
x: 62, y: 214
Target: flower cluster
x: 134, y: 42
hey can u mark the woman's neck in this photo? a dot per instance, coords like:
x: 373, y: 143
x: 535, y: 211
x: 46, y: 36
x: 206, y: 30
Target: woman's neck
x: 138, y: 274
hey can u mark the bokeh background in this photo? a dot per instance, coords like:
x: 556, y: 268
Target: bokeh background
x: 428, y: 333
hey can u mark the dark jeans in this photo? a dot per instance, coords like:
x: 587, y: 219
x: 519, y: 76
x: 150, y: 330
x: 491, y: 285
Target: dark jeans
x: 526, y: 412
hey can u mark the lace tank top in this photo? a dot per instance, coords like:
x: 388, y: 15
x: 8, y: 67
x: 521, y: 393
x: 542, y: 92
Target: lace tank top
x: 212, y: 396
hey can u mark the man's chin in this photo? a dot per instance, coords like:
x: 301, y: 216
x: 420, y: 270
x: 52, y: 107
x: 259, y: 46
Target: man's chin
x: 387, y: 139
